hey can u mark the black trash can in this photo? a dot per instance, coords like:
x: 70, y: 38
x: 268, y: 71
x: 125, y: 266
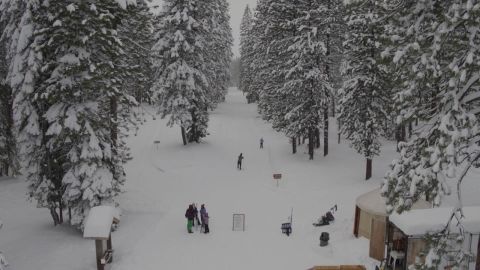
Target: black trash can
x: 324, y: 237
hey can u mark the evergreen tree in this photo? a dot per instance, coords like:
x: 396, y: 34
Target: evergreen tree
x: 270, y: 64
x: 69, y: 106
x: 219, y: 40
x: 192, y: 56
x: 307, y: 84
x: 257, y: 62
x: 9, y: 19
x: 437, y: 56
x: 136, y: 34
x: 364, y: 99
x: 246, y: 44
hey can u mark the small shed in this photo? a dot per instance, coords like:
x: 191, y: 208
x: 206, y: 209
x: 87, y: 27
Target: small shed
x: 406, y: 232
x: 98, y: 226
x: 371, y: 220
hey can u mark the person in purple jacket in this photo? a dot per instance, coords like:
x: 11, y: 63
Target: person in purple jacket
x: 204, y: 217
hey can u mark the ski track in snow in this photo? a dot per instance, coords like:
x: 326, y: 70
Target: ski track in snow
x: 163, y: 180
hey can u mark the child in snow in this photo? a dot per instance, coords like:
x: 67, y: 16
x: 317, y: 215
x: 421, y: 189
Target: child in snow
x: 239, y: 162
x: 189, y: 214
x: 204, y: 217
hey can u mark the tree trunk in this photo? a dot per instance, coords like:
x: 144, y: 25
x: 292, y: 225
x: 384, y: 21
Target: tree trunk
x: 369, y: 169
x: 193, y: 136
x: 110, y: 247
x: 184, y: 136
x: 325, y: 132
x: 299, y: 140
x: 294, y: 145
x: 60, y: 210
x: 410, y: 129
x: 54, y: 214
x: 401, y: 134
x: 339, y: 133
x: 70, y: 215
x: 114, y: 123
x: 311, y: 143
x: 317, y: 138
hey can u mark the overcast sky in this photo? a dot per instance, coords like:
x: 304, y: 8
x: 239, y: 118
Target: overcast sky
x: 236, y: 12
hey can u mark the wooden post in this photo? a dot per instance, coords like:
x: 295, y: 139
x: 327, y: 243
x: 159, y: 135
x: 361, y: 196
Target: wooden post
x: 100, y: 252
x: 357, y: 221
x: 109, y: 247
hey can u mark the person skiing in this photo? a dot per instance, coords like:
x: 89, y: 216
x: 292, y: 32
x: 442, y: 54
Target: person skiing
x: 261, y: 143
x: 195, y: 214
x: 189, y: 214
x: 239, y: 162
x: 204, y: 217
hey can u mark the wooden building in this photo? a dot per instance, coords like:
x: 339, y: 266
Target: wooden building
x: 406, y: 232
x: 371, y: 220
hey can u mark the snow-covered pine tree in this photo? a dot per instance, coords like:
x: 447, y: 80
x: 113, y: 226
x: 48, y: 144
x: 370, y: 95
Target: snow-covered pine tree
x: 250, y: 52
x: 225, y: 46
x: 270, y: 64
x: 364, y: 98
x: 136, y: 34
x: 257, y: 63
x: 10, y: 14
x: 246, y: 44
x: 68, y: 105
x: 216, y: 20
x: 439, y: 54
x: 307, y: 83
x: 181, y: 82
x: 332, y: 27
x: 24, y: 66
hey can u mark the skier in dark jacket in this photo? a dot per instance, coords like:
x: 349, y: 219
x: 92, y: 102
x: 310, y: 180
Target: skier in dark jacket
x: 189, y: 214
x: 204, y: 217
x: 239, y: 162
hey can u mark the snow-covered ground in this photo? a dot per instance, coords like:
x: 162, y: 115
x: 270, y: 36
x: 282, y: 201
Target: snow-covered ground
x: 163, y: 179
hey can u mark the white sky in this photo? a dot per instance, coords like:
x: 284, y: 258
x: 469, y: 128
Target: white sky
x: 236, y: 12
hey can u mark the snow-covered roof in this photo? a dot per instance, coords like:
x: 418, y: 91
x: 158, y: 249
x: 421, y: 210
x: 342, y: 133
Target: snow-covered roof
x: 421, y: 221
x: 374, y: 203
x: 99, y: 222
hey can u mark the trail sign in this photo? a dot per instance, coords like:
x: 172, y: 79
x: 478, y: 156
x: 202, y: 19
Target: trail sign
x: 238, y: 222
x: 277, y: 176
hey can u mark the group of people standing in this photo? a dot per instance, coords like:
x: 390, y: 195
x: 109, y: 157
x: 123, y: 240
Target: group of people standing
x: 192, y: 217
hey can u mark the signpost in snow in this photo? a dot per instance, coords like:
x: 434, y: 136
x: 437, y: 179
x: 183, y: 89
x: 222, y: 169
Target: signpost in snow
x: 238, y: 222
x: 277, y: 176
